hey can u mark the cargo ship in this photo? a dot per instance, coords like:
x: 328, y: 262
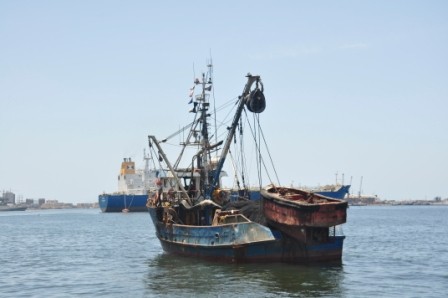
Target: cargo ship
x: 133, y: 187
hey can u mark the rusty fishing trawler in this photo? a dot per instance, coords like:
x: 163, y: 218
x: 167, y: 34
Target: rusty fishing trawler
x: 191, y: 210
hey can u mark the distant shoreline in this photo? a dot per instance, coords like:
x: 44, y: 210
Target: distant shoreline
x: 404, y: 203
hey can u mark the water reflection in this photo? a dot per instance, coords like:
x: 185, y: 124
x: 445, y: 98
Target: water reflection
x: 172, y: 275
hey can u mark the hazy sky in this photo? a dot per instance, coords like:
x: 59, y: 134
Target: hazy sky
x: 358, y: 88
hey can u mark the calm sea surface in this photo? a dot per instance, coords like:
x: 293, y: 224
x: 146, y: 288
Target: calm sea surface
x: 389, y: 252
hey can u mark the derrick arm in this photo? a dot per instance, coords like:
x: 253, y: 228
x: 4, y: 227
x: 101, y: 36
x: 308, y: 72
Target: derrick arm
x: 179, y: 183
x: 242, y: 100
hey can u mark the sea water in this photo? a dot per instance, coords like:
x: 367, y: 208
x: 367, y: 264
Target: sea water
x: 389, y: 251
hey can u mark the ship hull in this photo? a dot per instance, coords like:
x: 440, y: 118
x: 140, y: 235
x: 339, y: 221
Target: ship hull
x: 242, y: 242
x: 119, y: 202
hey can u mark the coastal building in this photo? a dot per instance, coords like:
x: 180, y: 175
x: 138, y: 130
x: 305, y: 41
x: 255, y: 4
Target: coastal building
x: 55, y: 204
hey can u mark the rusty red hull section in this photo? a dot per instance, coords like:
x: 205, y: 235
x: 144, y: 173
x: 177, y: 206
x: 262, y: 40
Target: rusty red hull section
x: 289, y: 208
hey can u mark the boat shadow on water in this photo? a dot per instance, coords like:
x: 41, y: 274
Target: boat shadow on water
x: 176, y: 275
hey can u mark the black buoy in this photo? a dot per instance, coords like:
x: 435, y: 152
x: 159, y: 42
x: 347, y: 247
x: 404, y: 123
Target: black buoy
x: 256, y: 102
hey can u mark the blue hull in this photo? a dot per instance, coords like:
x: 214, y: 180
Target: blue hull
x: 339, y: 194
x: 242, y: 242
x: 116, y: 203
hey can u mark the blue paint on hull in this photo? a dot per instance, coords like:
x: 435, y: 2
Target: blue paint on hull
x: 275, y: 251
x: 242, y: 242
x: 116, y: 202
x: 339, y: 194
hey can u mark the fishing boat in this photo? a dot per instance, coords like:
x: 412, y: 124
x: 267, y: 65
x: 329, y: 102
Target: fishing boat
x: 13, y: 208
x: 7, y: 203
x: 133, y: 187
x: 190, y: 209
x: 298, y: 212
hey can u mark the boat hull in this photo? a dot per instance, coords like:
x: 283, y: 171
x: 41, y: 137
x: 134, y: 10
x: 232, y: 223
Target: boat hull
x: 118, y: 202
x: 242, y: 242
x: 295, y: 213
x: 13, y: 208
x: 254, y: 194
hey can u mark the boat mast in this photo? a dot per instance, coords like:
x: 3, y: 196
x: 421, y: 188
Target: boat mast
x: 242, y: 100
x: 203, y: 155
